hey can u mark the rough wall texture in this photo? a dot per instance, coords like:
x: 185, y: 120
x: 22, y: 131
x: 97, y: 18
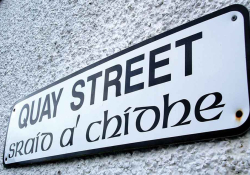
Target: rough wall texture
x: 43, y: 41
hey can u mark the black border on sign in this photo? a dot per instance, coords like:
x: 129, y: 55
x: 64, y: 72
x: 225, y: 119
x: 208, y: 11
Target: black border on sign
x: 152, y: 143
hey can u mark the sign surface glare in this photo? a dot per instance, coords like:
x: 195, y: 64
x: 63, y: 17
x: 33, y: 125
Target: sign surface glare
x: 187, y: 84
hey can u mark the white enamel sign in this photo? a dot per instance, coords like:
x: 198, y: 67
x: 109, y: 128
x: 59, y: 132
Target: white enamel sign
x: 187, y: 84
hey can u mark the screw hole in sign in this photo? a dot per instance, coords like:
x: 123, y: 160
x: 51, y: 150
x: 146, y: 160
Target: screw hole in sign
x: 239, y: 114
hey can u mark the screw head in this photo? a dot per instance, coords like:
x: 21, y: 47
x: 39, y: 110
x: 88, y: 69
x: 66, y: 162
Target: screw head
x: 234, y: 18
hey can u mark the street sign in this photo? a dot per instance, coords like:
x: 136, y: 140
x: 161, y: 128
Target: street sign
x: 187, y: 84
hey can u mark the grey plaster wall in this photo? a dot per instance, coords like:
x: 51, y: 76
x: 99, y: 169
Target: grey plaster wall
x: 44, y: 40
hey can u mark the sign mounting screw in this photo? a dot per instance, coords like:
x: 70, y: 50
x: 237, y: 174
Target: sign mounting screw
x: 234, y: 18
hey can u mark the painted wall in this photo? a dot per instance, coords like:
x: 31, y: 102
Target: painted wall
x: 43, y: 41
